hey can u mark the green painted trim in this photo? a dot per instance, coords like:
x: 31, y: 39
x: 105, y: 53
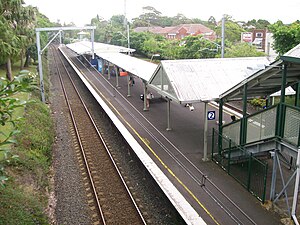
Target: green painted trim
x: 281, y: 112
x: 213, y: 143
x: 283, y: 83
x: 290, y: 59
x: 249, y: 171
x: 297, y: 104
x: 282, y: 120
x: 265, y: 183
x: 243, y: 130
x: 220, y: 126
x: 277, y: 125
x: 229, y: 157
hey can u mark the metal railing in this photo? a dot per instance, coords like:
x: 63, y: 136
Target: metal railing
x: 291, y: 125
x: 249, y: 171
x: 280, y: 121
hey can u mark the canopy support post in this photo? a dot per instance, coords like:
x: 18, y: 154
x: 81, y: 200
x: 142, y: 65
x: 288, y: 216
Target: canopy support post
x: 145, y: 96
x: 128, y: 85
x: 205, y: 133
x: 117, y: 76
x: 169, y: 114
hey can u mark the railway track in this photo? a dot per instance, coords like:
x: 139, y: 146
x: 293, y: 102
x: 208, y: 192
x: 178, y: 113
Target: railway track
x: 109, y: 198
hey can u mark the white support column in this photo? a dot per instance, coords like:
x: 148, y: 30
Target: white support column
x: 108, y: 70
x: 169, y: 114
x: 205, y: 133
x: 38, y: 45
x: 92, y: 40
x: 128, y: 85
x: 145, y: 96
x: 117, y: 76
x: 296, y: 189
x: 60, y: 39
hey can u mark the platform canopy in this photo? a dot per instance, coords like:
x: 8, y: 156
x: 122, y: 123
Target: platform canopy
x: 202, y: 80
x: 85, y: 47
x: 135, y: 66
x: 269, y: 80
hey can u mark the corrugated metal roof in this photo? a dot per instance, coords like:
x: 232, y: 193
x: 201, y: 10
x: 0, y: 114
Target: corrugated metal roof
x: 205, y: 79
x: 135, y: 66
x: 269, y: 80
x: 85, y: 47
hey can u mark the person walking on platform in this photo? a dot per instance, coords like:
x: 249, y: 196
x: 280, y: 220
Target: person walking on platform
x: 148, y: 97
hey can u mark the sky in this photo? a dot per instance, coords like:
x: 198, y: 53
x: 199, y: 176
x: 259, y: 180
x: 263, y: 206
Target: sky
x: 81, y: 12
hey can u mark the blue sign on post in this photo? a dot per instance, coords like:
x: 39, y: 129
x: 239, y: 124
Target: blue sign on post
x: 211, y: 115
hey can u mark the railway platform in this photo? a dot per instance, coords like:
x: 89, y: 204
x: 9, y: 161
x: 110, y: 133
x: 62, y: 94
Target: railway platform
x: 215, y: 197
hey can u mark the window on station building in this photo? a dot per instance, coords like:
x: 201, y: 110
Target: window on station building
x: 259, y: 34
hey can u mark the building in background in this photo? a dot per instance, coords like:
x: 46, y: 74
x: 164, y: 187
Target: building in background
x: 180, y: 31
x: 261, y: 39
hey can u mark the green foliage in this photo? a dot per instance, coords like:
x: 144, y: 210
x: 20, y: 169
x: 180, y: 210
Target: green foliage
x: 8, y: 104
x: 36, y: 136
x: 137, y: 41
x: 242, y: 50
x: 195, y: 47
x: 258, y: 24
x: 258, y: 102
x: 232, y: 31
x: 286, y: 36
x: 19, y: 206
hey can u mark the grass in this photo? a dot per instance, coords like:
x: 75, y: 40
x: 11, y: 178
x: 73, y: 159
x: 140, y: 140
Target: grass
x: 24, y: 198
x: 20, y: 206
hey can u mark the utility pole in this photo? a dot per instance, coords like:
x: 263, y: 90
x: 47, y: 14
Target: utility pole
x: 223, y: 37
x: 126, y: 25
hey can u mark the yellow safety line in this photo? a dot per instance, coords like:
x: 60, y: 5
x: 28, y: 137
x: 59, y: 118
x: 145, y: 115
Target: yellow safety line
x: 153, y: 152
x: 157, y: 157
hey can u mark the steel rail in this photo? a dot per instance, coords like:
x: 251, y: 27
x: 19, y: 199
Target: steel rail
x: 106, y: 148
x: 191, y: 174
x: 80, y: 142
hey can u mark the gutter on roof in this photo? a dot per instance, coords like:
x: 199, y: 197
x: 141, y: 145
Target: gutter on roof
x: 290, y: 59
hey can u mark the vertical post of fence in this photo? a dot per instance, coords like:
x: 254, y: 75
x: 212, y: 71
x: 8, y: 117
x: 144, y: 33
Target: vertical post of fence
x: 243, y: 130
x: 229, y: 153
x: 249, y: 171
x: 265, y: 183
x: 274, y: 175
x: 297, y: 97
x: 220, y: 126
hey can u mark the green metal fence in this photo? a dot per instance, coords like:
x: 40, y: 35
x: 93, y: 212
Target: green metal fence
x: 249, y: 171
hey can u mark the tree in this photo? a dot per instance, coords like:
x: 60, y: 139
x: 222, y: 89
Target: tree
x: 9, y: 46
x: 232, y: 31
x: 195, y: 47
x: 181, y: 19
x: 151, y: 17
x: 286, y: 36
x: 242, y: 50
x: 258, y: 24
x: 212, y: 21
x: 25, y: 32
